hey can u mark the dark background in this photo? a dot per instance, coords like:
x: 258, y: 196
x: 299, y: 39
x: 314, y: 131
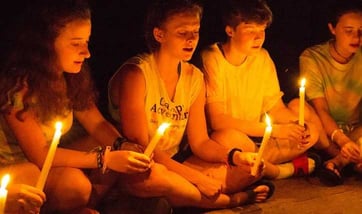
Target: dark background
x: 117, y: 33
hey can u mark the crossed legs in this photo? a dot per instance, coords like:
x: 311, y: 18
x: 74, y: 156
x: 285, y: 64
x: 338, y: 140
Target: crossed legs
x: 161, y: 182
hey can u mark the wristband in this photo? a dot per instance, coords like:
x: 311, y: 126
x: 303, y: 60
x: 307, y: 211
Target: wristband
x: 100, y: 152
x: 118, y: 143
x: 334, y: 133
x: 231, y: 155
x: 105, y: 159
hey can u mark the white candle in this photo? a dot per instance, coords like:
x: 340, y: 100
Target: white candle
x: 267, y: 133
x: 301, y: 101
x: 50, y: 156
x: 3, y: 192
x: 159, y: 133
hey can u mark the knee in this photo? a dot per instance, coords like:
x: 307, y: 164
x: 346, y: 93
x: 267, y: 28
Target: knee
x: 314, y: 134
x: 30, y: 173
x: 234, y: 138
x: 69, y: 188
x: 78, y: 190
x: 294, y: 104
x: 155, y: 183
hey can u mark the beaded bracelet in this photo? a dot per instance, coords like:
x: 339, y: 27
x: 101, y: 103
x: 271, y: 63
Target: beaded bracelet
x: 100, y: 152
x: 118, y: 143
x: 231, y: 155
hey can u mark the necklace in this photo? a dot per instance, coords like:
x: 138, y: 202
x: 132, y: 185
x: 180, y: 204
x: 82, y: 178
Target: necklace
x: 346, y: 59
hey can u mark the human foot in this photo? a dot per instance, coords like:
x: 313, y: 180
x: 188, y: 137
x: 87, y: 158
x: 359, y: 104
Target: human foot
x: 302, y: 165
x: 259, y: 194
x: 330, y: 174
x: 260, y: 191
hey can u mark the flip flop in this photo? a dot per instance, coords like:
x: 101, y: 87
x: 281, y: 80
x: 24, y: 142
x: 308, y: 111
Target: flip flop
x: 252, y: 194
x: 329, y: 177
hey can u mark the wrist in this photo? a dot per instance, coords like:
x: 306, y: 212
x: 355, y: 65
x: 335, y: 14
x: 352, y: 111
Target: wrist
x: 99, y: 151
x: 230, y: 156
x: 335, y: 133
x: 339, y: 137
x: 118, y: 143
x: 105, y: 158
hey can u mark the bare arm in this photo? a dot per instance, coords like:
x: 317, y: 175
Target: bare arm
x: 97, y: 126
x: 33, y: 142
x: 198, y: 138
x: 349, y: 149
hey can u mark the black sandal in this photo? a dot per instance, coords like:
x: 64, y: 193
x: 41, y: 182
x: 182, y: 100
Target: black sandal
x: 328, y: 177
x: 252, y: 194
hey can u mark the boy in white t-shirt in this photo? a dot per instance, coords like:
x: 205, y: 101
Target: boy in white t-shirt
x: 242, y: 86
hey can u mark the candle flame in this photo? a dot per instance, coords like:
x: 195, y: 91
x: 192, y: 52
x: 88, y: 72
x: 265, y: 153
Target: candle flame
x: 163, y: 128
x: 4, y: 181
x: 302, y: 82
x: 58, y: 125
x: 268, y: 121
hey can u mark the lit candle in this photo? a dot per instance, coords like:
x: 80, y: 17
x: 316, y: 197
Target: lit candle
x: 301, y: 101
x: 267, y: 133
x: 50, y: 156
x: 152, y: 144
x: 3, y: 192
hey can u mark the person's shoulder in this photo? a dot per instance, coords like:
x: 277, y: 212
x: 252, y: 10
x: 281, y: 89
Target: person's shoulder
x: 209, y: 50
x: 317, y: 49
x: 263, y: 52
x: 139, y: 59
x: 261, y: 56
x: 192, y: 69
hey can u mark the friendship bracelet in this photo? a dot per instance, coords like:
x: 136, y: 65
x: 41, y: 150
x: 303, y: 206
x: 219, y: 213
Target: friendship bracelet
x: 118, y: 143
x: 334, y: 133
x: 100, y: 151
x: 231, y: 155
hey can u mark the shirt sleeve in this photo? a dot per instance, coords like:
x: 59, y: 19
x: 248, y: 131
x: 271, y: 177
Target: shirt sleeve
x: 213, y: 77
x: 309, y: 70
x: 272, y: 91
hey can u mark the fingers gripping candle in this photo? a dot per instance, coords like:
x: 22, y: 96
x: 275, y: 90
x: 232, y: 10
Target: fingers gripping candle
x: 267, y: 133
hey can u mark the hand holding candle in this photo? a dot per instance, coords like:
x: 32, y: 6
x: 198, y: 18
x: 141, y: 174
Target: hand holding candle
x: 301, y: 101
x: 3, y: 192
x: 159, y: 133
x: 267, y: 133
x: 50, y: 156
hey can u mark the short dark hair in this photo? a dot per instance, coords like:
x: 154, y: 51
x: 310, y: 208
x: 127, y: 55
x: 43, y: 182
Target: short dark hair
x: 160, y: 10
x: 341, y: 7
x: 236, y: 11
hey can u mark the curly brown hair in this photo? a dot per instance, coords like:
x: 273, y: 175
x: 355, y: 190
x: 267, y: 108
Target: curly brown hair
x: 31, y: 64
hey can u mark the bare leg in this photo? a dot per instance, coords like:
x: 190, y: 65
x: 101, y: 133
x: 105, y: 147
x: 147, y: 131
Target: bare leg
x: 101, y: 183
x: 25, y: 173
x: 234, y: 138
x: 276, y: 152
x: 323, y: 144
x: 160, y: 182
x: 66, y: 189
